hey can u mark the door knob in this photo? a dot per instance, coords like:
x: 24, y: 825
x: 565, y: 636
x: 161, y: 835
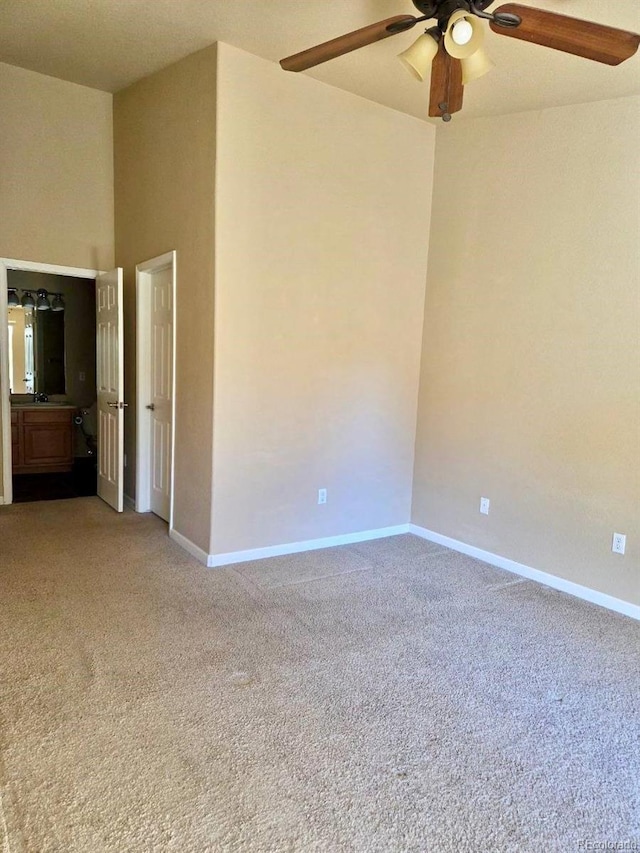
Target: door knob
x: 151, y: 407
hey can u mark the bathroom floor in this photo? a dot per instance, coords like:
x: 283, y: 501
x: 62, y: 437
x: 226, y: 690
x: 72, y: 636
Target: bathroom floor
x: 78, y: 483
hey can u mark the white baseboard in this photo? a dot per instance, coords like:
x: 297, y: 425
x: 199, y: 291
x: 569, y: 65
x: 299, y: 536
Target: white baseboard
x: 129, y: 502
x: 575, y: 589
x: 189, y: 546
x: 217, y: 560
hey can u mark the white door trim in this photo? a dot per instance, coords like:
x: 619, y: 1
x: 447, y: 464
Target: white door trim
x: 7, y: 264
x: 143, y: 389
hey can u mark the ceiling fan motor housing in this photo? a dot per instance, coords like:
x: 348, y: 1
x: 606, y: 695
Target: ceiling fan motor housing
x: 443, y: 8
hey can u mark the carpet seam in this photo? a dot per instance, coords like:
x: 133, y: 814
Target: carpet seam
x: 320, y: 578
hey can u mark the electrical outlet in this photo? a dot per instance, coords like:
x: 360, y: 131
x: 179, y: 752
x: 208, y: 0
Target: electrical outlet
x: 82, y: 376
x: 619, y: 543
x: 485, y: 503
x: 322, y: 496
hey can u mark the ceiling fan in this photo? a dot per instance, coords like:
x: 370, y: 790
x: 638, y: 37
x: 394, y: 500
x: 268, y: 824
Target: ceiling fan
x: 452, y: 50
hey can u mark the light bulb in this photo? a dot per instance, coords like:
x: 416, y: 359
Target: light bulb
x: 462, y: 32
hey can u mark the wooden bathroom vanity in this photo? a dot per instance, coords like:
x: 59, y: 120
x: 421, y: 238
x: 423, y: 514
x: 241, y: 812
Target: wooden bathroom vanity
x: 42, y: 438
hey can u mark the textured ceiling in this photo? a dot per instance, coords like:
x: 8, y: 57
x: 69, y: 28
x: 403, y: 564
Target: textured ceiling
x: 108, y: 44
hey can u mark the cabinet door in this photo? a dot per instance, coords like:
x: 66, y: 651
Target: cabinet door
x: 47, y: 444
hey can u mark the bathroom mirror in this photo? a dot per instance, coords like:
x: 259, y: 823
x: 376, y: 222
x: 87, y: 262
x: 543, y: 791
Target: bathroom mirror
x: 36, y: 351
x: 52, y: 327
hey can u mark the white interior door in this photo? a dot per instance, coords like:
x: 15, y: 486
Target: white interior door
x: 161, y: 383
x: 110, y: 381
x: 155, y: 384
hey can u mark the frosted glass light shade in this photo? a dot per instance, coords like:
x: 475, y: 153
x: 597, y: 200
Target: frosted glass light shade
x: 43, y: 302
x: 12, y: 300
x: 471, y: 44
x: 419, y: 57
x: 476, y: 65
x: 58, y: 302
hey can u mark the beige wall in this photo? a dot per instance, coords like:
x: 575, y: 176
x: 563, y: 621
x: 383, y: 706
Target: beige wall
x: 530, y: 389
x: 530, y: 384
x: 323, y: 206
x: 56, y: 172
x: 164, y: 138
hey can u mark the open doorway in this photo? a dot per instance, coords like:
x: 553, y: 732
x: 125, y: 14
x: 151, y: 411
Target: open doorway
x: 31, y: 422
x: 52, y: 385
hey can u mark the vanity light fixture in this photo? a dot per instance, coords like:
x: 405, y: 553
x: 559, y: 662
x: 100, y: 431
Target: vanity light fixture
x: 43, y: 300
x: 27, y: 300
x: 46, y: 301
x: 58, y: 302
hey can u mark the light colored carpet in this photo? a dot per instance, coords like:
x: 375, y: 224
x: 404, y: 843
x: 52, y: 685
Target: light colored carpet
x: 388, y: 696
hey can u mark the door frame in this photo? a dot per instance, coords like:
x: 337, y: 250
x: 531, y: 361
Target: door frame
x: 7, y: 264
x: 144, y: 271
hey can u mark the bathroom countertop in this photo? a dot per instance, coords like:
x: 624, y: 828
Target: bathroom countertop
x: 43, y: 406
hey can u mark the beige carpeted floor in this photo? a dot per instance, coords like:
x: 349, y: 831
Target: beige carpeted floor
x: 388, y: 696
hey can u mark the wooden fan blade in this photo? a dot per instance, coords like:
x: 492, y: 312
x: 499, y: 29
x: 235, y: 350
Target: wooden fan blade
x: 446, y: 84
x: 571, y: 35
x: 345, y: 44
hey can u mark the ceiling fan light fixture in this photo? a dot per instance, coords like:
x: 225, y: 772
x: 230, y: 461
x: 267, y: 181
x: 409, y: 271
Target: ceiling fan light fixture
x: 476, y: 66
x: 464, y: 35
x: 418, y: 58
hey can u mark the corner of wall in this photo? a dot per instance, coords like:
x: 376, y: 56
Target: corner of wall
x: 528, y: 392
